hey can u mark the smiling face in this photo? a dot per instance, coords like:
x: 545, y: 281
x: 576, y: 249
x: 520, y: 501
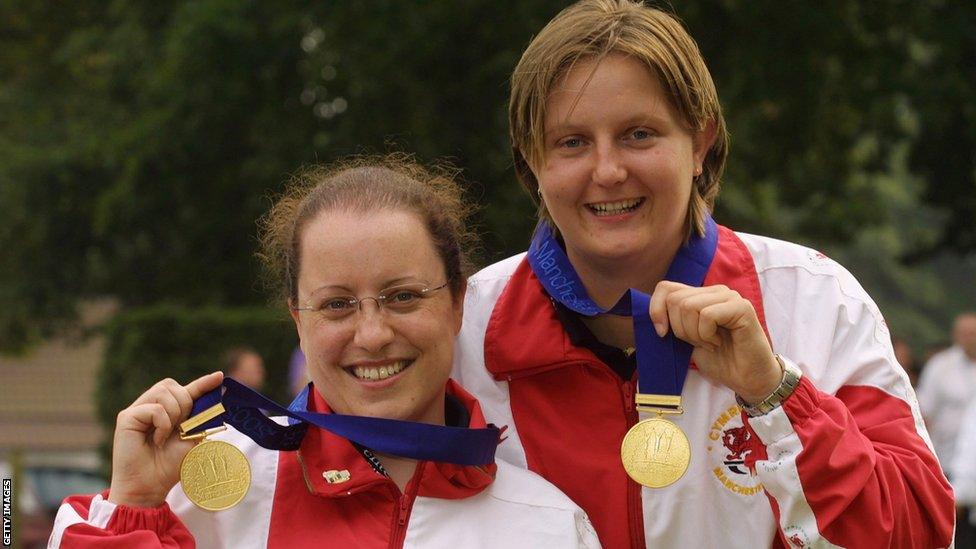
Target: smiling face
x: 619, y: 163
x: 378, y: 363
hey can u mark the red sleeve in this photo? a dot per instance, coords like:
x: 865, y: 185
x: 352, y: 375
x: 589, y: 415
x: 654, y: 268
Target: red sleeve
x: 92, y: 522
x: 852, y: 469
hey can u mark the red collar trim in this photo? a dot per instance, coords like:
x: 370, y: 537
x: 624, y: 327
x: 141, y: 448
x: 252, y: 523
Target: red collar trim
x: 524, y: 335
x: 322, y: 451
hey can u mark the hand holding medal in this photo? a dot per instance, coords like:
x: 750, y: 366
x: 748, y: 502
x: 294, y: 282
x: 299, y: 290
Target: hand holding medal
x: 147, y: 449
x: 655, y: 452
x: 730, y: 347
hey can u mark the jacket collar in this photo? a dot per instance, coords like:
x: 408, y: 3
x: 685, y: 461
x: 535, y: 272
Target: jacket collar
x: 324, y: 454
x: 524, y: 334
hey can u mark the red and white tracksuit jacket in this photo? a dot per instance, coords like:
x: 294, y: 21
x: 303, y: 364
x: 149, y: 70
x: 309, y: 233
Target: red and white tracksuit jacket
x: 290, y: 505
x: 845, y: 462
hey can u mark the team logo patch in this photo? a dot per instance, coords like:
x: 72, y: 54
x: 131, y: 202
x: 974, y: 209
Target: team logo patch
x: 729, y: 443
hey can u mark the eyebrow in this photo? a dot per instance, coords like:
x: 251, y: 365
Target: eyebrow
x: 388, y: 284
x: 641, y: 119
x: 328, y: 287
x: 404, y: 280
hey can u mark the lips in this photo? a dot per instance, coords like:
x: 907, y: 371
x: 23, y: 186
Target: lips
x: 603, y: 209
x: 378, y: 371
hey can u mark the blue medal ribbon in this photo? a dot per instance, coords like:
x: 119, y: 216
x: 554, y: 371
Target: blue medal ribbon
x: 662, y: 362
x: 243, y: 410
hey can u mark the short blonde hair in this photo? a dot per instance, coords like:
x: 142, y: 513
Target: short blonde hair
x: 593, y: 29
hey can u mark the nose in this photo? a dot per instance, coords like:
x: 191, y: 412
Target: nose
x: 373, y: 332
x: 608, y: 166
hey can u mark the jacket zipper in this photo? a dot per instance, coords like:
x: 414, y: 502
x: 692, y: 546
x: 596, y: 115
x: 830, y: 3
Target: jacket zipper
x: 401, y: 515
x: 635, y: 517
x: 634, y: 505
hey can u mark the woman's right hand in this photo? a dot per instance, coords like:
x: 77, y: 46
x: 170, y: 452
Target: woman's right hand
x: 147, y: 450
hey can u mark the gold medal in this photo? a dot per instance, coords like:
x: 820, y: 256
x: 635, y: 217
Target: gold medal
x: 655, y: 452
x: 215, y: 475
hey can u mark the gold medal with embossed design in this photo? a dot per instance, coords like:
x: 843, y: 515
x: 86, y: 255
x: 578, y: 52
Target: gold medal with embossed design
x: 655, y: 452
x: 215, y: 475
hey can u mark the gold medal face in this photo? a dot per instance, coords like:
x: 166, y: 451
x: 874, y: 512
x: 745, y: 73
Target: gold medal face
x: 655, y: 452
x: 215, y: 475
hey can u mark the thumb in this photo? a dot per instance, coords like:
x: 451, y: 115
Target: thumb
x: 202, y: 385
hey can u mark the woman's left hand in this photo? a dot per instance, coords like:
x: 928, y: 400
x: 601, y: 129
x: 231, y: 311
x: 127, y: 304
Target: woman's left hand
x: 730, y: 347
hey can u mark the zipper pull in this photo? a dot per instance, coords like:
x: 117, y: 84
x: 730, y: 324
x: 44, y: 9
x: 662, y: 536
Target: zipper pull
x: 628, y: 396
x: 402, y: 516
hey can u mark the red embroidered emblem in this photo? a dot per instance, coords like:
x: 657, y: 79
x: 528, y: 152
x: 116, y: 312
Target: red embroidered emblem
x: 795, y: 541
x: 738, y: 441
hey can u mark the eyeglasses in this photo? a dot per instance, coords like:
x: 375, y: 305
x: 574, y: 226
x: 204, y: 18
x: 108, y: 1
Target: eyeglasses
x: 404, y: 298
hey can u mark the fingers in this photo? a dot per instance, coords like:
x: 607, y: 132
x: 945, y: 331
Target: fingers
x: 669, y: 295
x: 659, y: 305
x: 696, y: 314
x: 699, y: 325
x: 148, y: 418
x: 684, y: 314
x: 169, y: 398
x: 731, y: 315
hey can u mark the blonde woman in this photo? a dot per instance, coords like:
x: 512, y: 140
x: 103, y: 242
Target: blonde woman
x: 687, y: 385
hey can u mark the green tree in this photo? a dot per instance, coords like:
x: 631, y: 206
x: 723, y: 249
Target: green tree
x: 139, y: 141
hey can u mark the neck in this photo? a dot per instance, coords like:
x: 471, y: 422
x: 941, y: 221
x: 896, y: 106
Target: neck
x: 606, y: 280
x: 400, y: 469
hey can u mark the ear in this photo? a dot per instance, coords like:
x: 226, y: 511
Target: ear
x: 295, y: 316
x: 458, y: 307
x: 703, y: 141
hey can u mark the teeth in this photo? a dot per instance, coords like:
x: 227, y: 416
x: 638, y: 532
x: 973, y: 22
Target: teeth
x: 375, y: 373
x: 614, y: 208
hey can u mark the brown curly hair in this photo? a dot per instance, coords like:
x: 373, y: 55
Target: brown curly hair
x: 366, y: 184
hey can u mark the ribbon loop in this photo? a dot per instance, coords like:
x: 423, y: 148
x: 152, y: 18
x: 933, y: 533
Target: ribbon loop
x: 662, y: 362
x: 244, y: 410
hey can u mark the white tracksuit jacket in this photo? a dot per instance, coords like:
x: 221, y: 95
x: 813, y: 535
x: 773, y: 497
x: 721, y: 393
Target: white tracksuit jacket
x: 845, y: 462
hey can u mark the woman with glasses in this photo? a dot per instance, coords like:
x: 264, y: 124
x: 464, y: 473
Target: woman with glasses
x: 687, y: 385
x: 371, y: 256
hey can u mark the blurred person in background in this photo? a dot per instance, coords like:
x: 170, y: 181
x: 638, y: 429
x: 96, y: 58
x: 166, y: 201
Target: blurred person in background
x: 245, y: 365
x: 946, y: 389
x: 963, y: 474
x: 371, y: 257
x: 802, y: 430
x: 906, y: 357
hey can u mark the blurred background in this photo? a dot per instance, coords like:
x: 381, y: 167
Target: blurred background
x: 140, y: 141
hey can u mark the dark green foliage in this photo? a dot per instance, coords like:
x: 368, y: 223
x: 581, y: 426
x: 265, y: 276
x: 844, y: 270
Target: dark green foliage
x: 149, y: 344
x: 139, y: 141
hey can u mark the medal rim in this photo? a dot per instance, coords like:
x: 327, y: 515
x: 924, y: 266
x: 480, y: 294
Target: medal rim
x: 686, y: 464
x: 247, y: 470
